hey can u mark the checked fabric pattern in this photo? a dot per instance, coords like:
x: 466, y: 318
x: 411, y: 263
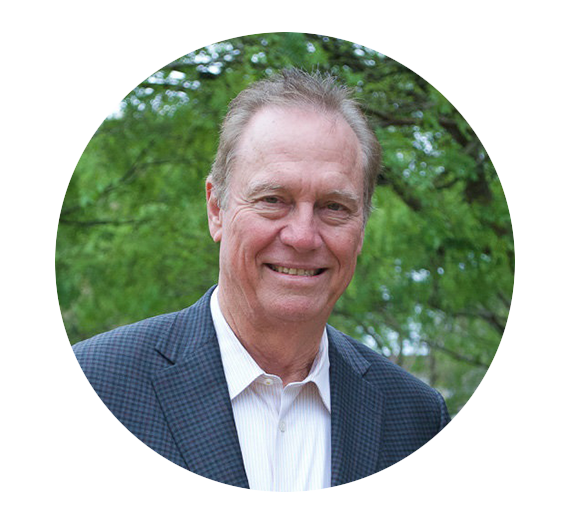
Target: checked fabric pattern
x: 163, y: 379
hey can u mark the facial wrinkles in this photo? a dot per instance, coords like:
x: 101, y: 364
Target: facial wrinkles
x: 304, y: 169
x: 299, y: 198
x: 274, y: 179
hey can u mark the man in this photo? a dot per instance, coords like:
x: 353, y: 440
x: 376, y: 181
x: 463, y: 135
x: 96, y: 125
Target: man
x: 249, y: 386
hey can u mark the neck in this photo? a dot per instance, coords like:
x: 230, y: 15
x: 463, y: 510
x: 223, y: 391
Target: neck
x: 281, y: 348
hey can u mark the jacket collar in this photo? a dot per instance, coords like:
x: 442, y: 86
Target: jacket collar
x: 194, y: 398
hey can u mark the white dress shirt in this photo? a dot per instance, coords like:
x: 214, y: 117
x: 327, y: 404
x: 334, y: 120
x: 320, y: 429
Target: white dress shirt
x: 284, y: 433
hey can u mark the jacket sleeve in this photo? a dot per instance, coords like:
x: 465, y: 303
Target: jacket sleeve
x: 444, y: 414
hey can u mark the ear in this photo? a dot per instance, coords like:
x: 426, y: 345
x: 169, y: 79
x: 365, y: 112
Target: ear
x: 214, y: 212
x: 361, y: 240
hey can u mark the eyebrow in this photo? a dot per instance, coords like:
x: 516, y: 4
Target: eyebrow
x: 260, y: 187
x: 345, y: 195
x: 263, y: 186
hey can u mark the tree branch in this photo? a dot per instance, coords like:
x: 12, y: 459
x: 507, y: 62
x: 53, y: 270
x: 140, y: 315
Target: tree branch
x: 490, y: 317
x: 401, y: 189
x: 134, y: 168
x: 456, y: 355
x: 90, y: 223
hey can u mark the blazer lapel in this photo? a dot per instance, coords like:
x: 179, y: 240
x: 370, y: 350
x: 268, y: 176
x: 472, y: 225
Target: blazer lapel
x: 195, y: 400
x: 356, y: 413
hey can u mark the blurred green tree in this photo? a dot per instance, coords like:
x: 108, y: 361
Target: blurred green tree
x: 433, y: 286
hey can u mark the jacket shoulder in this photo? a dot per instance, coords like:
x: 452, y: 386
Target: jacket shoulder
x: 405, y: 393
x: 126, y: 352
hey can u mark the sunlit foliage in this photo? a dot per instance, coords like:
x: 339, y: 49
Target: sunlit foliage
x: 433, y: 285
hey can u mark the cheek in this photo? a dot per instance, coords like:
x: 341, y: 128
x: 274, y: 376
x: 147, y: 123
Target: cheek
x: 246, y: 237
x: 346, y: 247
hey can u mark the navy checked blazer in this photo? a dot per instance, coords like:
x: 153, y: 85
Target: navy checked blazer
x: 163, y: 379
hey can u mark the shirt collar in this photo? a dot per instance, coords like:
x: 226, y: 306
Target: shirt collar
x: 241, y: 369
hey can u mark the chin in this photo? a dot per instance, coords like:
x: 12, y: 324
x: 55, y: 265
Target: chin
x: 297, y: 309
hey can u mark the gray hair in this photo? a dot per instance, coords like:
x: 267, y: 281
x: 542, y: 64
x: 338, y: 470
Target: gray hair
x: 295, y: 88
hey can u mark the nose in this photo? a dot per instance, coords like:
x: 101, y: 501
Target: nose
x: 301, y: 230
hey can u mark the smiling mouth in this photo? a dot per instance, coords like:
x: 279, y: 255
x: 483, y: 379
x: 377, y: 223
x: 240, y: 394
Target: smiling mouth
x: 294, y: 271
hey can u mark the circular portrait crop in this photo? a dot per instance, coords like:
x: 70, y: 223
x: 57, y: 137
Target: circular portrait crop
x: 285, y: 262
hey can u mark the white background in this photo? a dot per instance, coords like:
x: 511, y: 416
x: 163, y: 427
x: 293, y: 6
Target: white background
x: 65, y: 67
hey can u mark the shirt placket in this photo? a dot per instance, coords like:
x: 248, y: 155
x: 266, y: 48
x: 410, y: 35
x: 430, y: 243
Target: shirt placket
x: 284, y: 439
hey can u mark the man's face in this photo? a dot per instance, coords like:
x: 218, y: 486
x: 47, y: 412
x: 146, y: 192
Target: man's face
x: 292, y: 227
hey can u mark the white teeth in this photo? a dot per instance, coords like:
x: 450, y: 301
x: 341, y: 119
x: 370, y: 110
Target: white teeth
x: 293, y: 271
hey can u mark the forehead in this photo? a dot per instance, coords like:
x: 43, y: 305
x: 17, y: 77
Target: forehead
x: 289, y: 128
x: 281, y: 139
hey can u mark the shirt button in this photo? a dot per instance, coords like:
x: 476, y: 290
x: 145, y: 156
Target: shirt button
x: 268, y: 382
x: 282, y: 426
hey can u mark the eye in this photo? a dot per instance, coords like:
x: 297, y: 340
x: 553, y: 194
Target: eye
x: 271, y: 206
x: 335, y: 206
x: 335, y: 213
